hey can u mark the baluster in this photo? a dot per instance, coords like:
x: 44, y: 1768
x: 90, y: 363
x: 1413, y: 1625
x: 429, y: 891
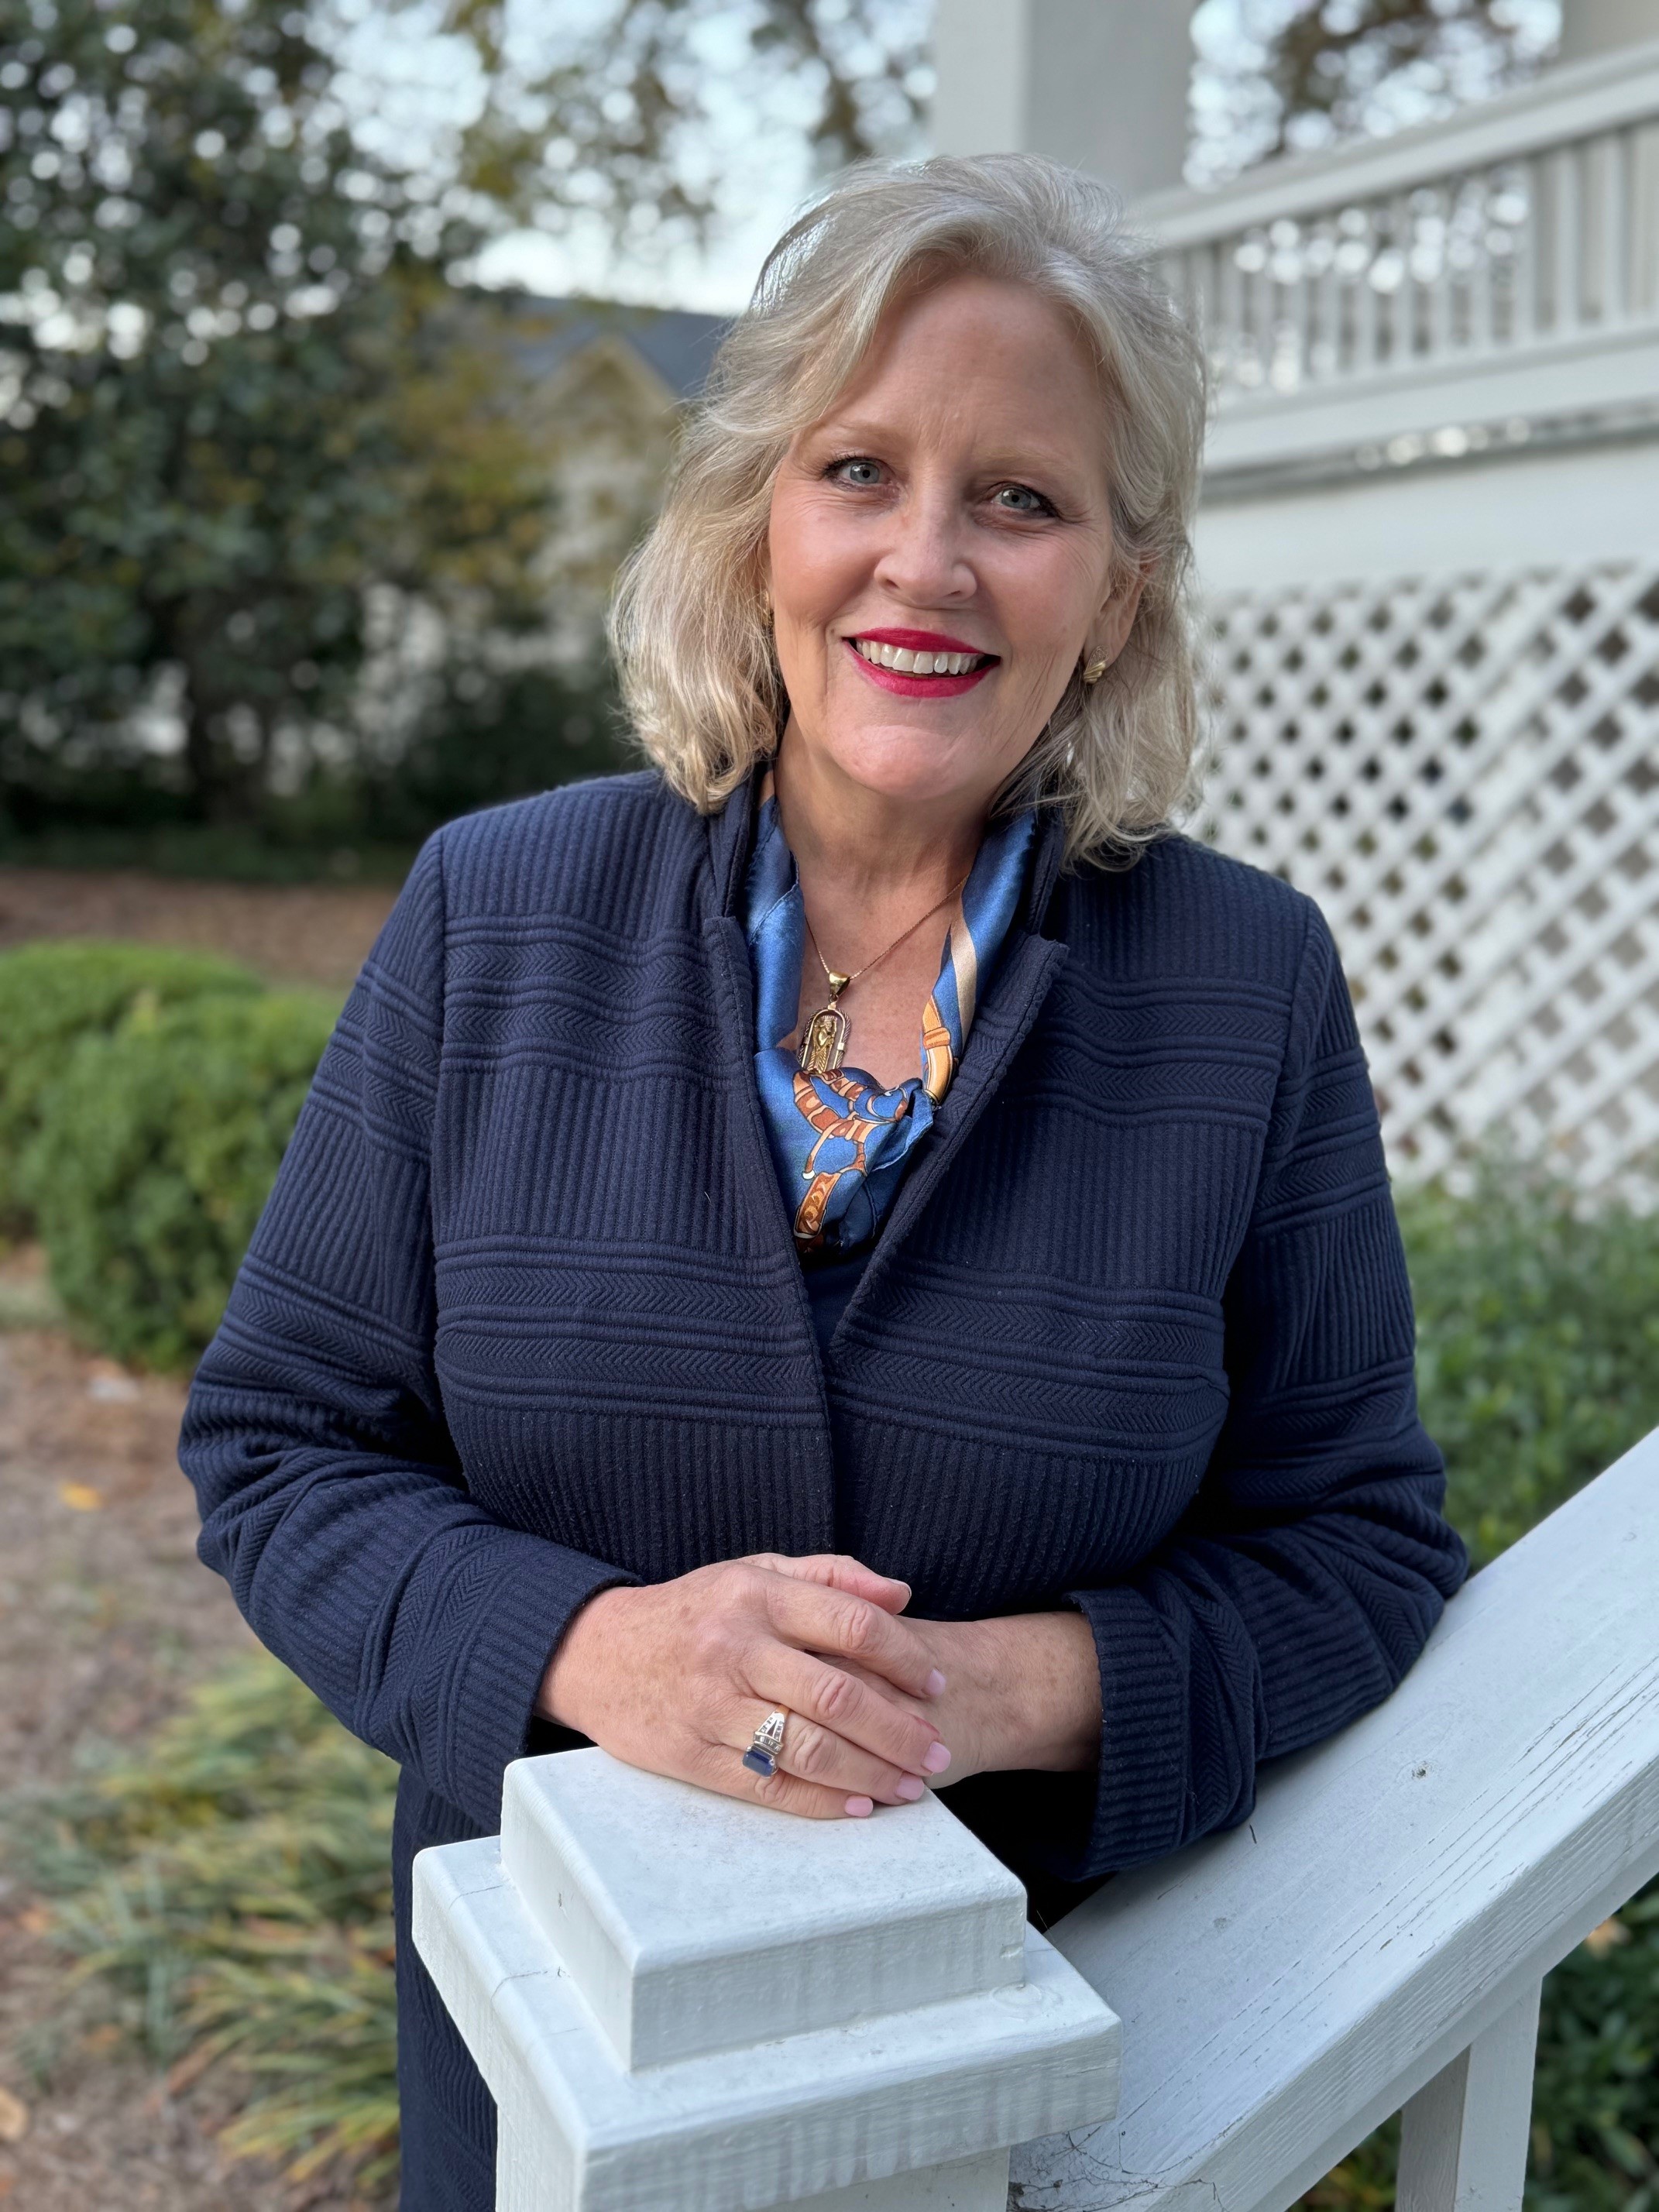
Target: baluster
x: 1645, y: 219
x: 1482, y: 274
x: 1196, y: 265
x: 1221, y: 303
x: 1440, y: 287
x: 1194, y: 275
x: 1259, y: 290
x: 1230, y: 334
x: 1328, y: 312
x: 1568, y: 272
x: 1402, y: 308
x: 1524, y: 293
x: 1365, y: 303
x: 1299, y: 319
x: 1613, y: 224
x: 1464, y: 2135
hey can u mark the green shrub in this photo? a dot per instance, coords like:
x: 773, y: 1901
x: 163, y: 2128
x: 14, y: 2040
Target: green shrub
x: 229, y: 1891
x: 1596, y: 2103
x: 1537, y: 1344
x: 157, y: 1150
x: 52, y: 995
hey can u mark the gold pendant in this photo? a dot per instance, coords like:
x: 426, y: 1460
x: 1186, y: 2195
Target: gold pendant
x: 823, y: 1041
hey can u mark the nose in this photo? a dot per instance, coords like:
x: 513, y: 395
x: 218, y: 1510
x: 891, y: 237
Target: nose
x: 925, y: 560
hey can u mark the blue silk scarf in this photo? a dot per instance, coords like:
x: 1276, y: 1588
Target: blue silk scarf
x: 840, y: 1144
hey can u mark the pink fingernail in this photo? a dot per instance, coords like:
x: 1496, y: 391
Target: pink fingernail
x: 936, y: 1758
x: 860, y: 1808
x: 909, y: 1786
x: 935, y: 1685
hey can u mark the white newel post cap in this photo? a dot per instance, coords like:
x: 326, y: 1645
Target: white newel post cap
x: 680, y: 2001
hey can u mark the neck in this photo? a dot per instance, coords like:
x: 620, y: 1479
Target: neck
x: 871, y: 846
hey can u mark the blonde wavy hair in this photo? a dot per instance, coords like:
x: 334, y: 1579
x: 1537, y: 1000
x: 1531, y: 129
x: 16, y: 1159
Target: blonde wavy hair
x: 689, y: 627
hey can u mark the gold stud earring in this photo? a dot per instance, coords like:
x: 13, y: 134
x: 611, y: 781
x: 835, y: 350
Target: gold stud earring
x: 1095, y: 670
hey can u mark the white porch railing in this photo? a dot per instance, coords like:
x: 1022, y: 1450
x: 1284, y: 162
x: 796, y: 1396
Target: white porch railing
x: 1500, y: 267
x: 686, y: 2005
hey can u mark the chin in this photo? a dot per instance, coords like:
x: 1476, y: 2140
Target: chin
x: 922, y: 766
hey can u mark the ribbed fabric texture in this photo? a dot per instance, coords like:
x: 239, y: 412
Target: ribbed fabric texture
x: 523, y: 1318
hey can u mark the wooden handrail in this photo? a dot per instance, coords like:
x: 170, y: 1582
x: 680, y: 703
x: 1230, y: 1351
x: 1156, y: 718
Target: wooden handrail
x: 1607, y: 92
x: 680, y: 2001
x: 1392, y: 1904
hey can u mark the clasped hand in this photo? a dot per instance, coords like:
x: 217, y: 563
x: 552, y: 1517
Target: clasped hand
x: 676, y: 1676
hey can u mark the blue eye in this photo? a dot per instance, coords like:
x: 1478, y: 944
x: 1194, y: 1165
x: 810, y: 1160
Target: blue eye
x: 871, y: 469
x: 1008, y: 492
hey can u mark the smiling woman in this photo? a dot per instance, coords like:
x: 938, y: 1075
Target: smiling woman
x: 791, y: 1270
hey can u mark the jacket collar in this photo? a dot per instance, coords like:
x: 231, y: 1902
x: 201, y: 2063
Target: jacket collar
x: 732, y: 840
x: 1042, y: 870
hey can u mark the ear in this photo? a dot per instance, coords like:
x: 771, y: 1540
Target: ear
x: 1109, y: 631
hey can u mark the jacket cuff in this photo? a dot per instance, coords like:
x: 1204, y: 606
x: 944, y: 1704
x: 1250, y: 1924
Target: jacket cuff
x: 1142, y: 1806
x: 526, y: 1592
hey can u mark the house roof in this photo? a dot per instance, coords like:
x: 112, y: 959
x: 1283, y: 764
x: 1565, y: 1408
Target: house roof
x: 676, y: 344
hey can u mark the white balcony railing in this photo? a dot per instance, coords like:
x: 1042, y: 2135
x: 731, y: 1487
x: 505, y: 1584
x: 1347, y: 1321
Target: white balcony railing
x: 684, y: 2004
x: 1495, y: 268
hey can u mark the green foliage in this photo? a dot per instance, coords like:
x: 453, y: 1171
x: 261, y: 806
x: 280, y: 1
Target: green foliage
x: 158, y: 1148
x: 237, y: 390
x: 1595, y: 2109
x: 1274, y: 76
x: 487, y: 733
x: 631, y: 124
x: 230, y: 1888
x: 53, y: 995
x: 1538, y: 1343
x: 1368, y: 65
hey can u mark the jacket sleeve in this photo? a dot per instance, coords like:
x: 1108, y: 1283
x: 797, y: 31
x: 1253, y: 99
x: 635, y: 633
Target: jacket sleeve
x: 330, y: 1495
x: 1305, y: 1579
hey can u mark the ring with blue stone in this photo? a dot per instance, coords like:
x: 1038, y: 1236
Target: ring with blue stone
x: 764, y: 1746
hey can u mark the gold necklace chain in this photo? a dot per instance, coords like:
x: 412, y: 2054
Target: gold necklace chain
x: 823, y: 1040
x: 837, y: 981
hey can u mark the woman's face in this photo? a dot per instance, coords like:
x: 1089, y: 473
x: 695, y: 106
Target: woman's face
x: 953, y: 502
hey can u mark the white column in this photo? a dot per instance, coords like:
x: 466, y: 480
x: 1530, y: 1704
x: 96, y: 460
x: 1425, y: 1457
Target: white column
x: 1602, y: 27
x: 1464, y: 2135
x: 1101, y: 84
x: 679, y: 1999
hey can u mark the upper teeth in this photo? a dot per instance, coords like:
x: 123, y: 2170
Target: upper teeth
x: 916, y: 663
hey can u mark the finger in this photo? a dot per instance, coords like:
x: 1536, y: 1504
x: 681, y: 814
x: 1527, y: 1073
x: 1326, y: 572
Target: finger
x: 836, y: 1570
x: 721, y: 1770
x: 835, y: 1622
x: 819, y: 1754
x: 863, y: 1711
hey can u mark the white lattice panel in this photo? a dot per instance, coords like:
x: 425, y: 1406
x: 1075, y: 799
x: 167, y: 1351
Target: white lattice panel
x: 1464, y: 773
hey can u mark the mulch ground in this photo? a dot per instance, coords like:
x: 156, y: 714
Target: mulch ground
x: 105, y: 1618
x: 106, y: 1615
x: 292, y: 932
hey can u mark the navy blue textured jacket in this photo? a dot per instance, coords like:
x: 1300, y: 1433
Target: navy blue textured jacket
x: 524, y: 1318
